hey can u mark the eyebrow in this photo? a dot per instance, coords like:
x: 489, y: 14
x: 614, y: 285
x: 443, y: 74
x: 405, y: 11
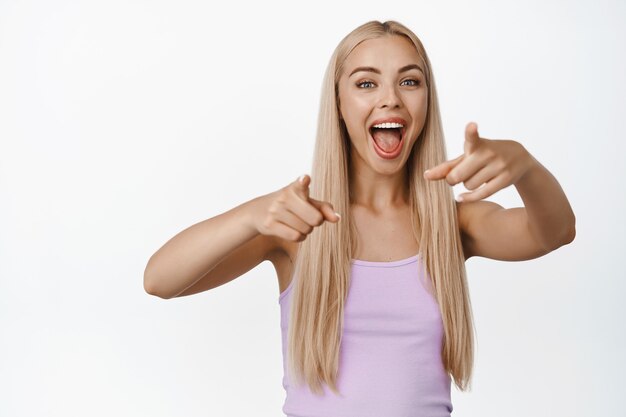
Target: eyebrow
x: 377, y: 71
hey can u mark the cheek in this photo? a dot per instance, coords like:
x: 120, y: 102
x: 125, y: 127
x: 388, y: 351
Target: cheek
x: 420, y: 107
x: 355, y: 115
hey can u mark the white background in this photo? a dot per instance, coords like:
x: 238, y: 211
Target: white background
x: 124, y: 122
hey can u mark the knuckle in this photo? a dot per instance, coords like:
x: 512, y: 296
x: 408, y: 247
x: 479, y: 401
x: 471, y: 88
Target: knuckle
x: 281, y: 198
x: 273, y: 209
x: 267, y: 223
x: 295, y: 236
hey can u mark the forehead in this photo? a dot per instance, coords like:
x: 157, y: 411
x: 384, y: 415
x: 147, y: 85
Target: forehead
x: 387, y: 52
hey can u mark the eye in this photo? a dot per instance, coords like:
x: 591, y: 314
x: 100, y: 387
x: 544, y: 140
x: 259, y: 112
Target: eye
x: 363, y: 82
x: 415, y: 82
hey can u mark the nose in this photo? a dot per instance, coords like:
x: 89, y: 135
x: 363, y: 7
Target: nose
x: 389, y: 97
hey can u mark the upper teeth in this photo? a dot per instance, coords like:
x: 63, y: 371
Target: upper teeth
x: 388, y: 125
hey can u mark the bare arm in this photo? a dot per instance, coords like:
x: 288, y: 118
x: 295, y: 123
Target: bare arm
x: 550, y: 217
x: 198, y: 250
x: 520, y: 233
x: 218, y: 250
x: 487, y: 229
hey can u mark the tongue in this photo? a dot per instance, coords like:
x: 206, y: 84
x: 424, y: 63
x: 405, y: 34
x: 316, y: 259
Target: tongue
x: 387, y: 139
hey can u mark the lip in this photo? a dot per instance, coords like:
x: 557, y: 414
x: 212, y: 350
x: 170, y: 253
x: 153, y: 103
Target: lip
x: 389, y: 120
x: 379, y: 151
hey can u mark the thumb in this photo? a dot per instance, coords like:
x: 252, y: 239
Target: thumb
x: 302, y: 185
x: 326, y: 209
x: 471, y: 138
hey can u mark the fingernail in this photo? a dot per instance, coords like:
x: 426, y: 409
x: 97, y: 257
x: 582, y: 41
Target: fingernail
x: 459, y: 198
x: 301, y: 178
x: 426, y: 172
x: 337, y: 214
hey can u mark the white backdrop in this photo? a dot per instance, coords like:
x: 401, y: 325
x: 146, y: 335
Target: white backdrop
x: 124, y: 122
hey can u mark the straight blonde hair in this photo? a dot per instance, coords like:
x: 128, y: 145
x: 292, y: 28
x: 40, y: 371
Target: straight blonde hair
x: 323, y: 261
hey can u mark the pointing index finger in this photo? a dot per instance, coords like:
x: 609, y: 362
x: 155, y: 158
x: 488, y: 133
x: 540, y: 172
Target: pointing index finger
x: 440, y: 171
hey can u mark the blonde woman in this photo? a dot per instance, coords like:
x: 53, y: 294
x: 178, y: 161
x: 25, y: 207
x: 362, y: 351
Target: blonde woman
x: 370, y: 249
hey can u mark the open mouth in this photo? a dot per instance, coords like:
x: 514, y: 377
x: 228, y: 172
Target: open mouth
x: 387, y: 139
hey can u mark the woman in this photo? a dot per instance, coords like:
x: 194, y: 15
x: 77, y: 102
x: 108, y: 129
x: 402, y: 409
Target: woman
x: 376, y: 307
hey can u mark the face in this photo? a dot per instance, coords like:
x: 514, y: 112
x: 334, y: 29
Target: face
x: 392, y: 86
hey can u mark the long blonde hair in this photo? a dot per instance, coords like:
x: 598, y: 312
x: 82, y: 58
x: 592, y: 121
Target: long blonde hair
x: 323, y: 261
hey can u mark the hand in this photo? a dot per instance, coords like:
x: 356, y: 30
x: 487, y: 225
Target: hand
x: 290, y: 213
x: 494, y: 163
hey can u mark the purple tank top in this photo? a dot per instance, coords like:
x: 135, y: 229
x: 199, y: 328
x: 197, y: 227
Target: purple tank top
x: 390, y: 355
